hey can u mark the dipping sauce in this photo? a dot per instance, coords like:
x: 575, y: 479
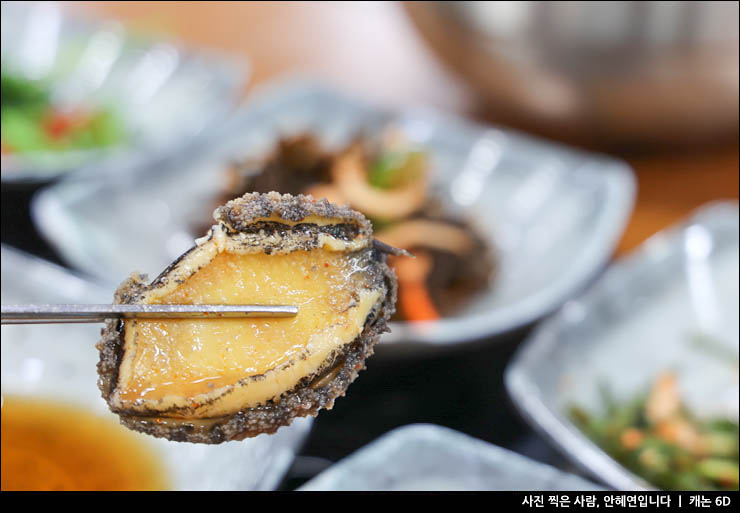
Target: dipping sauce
x: 49, y: 445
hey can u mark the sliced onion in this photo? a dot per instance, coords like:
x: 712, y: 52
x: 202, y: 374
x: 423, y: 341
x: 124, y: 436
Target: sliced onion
x: 350, y: 177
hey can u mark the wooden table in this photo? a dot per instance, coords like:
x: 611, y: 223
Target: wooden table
x: 373, y: 50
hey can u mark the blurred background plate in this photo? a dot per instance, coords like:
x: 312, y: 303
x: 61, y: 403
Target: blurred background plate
x: 552, y: 214
x: 161, y: 94
x: 58, y: 363
x: 600, y: 72
x: 670, y: 306
x: 425, y: 457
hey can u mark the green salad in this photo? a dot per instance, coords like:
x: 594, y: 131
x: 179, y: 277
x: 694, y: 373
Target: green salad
x: 656, y: 437
x: 31, y: 123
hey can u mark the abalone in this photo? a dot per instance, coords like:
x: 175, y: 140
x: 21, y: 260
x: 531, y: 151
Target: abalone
x: 215, y: 380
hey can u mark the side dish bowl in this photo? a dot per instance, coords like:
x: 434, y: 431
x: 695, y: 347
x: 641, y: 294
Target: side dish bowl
x: 58, y: 363
x: 156, y: 96
x: 671, y: 306
x: 552, y: 215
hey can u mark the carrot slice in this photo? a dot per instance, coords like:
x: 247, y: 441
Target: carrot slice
x: 415, y: 302
x: 413, y: 296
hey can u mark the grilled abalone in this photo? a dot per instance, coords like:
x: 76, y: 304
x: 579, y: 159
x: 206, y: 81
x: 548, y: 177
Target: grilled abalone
x: 215, y: 380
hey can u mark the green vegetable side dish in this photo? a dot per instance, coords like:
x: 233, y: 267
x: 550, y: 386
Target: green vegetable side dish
x: 31, y: 123
x: 657, y: 438
x: 396, y: 168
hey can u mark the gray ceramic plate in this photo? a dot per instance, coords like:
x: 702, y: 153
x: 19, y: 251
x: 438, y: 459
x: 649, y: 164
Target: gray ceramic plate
x: 553, y: 214
x: 58, y: 362
x: 424, y: 457
x: 670, y: 306
x: 164, y: 95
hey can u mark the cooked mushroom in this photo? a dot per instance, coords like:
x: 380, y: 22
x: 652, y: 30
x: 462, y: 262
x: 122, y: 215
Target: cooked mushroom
x: 429, y: 234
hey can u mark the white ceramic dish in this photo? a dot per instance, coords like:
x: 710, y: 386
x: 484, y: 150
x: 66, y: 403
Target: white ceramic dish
x: 425, y: 457
x: 553, y: 214
x: 164, y: 95
x: 58, y: 362
x: 672, y: 305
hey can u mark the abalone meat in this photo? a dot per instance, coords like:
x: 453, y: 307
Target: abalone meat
x: 214, y: 380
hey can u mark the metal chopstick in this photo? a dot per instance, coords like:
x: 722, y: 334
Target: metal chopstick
x: 54, y: 314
